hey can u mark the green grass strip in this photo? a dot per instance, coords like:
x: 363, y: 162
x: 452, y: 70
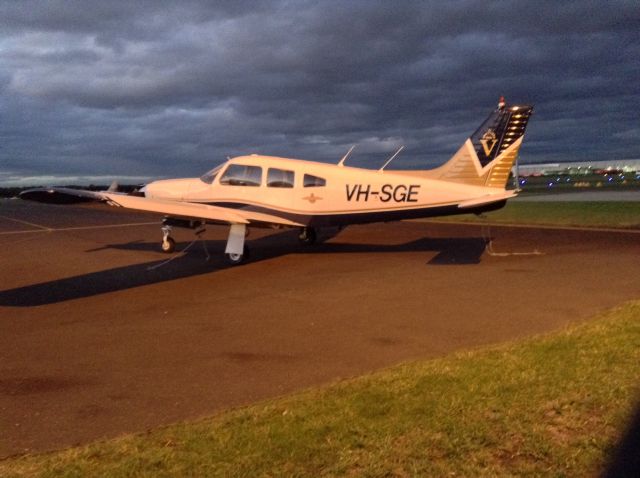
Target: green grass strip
x: 612, y: 214
x: 548, y: 406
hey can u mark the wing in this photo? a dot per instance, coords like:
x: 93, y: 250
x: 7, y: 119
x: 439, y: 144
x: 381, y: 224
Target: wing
x: 60, y: 195
x: 193, y: 210
x: 178, y: 209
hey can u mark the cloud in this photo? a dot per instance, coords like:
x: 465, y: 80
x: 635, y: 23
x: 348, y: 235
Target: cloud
x: 165, y: 88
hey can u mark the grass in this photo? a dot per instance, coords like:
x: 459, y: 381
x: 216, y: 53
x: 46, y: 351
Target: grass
x: 551, y: 406
x: 612, y: 214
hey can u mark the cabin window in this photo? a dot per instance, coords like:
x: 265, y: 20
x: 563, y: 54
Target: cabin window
x: 209, y: 176
x: 241, y: 175
x: 313, y: 181
x: 279, y: 178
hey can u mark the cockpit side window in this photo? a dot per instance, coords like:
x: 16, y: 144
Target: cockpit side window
x: 279, y: 178
x: 242, y: 175
x: 313, y: 181
x: 209, y: 176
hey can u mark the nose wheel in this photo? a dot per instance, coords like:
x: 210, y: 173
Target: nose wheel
x: 168, y: 244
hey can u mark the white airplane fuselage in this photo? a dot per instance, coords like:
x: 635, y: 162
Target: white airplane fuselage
x: 349, y: 195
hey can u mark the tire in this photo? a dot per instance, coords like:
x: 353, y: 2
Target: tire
x: 168, y: 245
x: 307, y: 236
x: 236, y: 259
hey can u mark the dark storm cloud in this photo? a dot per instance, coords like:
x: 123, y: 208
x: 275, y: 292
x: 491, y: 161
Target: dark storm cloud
x: 169, y: 88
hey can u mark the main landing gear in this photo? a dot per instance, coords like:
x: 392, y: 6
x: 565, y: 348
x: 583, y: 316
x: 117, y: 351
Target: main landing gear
x: 307, y: 236
x: 235, y: 259
x: 237, y: 251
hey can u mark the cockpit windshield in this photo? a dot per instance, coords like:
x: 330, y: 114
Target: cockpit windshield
x: 209, y: 176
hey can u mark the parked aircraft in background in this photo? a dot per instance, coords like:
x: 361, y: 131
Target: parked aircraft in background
x: 261, y: 191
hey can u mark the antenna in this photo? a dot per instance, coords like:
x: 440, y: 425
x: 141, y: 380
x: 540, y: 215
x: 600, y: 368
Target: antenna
x: 391, y: 158
x: 344, y: 158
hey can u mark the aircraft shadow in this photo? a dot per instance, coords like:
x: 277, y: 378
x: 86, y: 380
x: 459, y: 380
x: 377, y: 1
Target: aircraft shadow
x: 192, y: 263
x: 624, y: 459
x: 452, y: 250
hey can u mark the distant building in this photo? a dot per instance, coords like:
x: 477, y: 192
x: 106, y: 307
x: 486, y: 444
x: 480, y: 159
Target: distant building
x: 582, y: 167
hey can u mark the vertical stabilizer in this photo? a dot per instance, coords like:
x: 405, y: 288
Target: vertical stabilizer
x: 486, y: 158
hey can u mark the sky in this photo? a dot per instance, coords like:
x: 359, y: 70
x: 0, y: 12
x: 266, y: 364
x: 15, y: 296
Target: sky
x: 92, y: 91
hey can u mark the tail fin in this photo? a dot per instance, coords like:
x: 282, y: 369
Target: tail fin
x: 486, y: 158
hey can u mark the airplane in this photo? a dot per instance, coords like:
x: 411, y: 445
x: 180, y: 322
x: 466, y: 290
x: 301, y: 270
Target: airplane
x: 267, y: 191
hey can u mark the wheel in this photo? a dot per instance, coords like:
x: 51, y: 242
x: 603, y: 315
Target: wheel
x: 168, y: 245
x: 307, y: 236
x: 235, y: 259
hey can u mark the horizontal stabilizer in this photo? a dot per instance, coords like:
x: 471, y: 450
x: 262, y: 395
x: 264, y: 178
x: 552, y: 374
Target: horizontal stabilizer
x: 487, y: 199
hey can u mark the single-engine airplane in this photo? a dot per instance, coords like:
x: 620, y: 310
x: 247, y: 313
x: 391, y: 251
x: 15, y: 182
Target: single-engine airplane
x: 266, y: 191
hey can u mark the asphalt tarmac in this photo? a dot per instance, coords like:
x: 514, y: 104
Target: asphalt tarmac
x: 95, y: 342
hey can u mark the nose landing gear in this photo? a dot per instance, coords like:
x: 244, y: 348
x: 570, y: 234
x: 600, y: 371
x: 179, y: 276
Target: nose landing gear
x: 168, y: 244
